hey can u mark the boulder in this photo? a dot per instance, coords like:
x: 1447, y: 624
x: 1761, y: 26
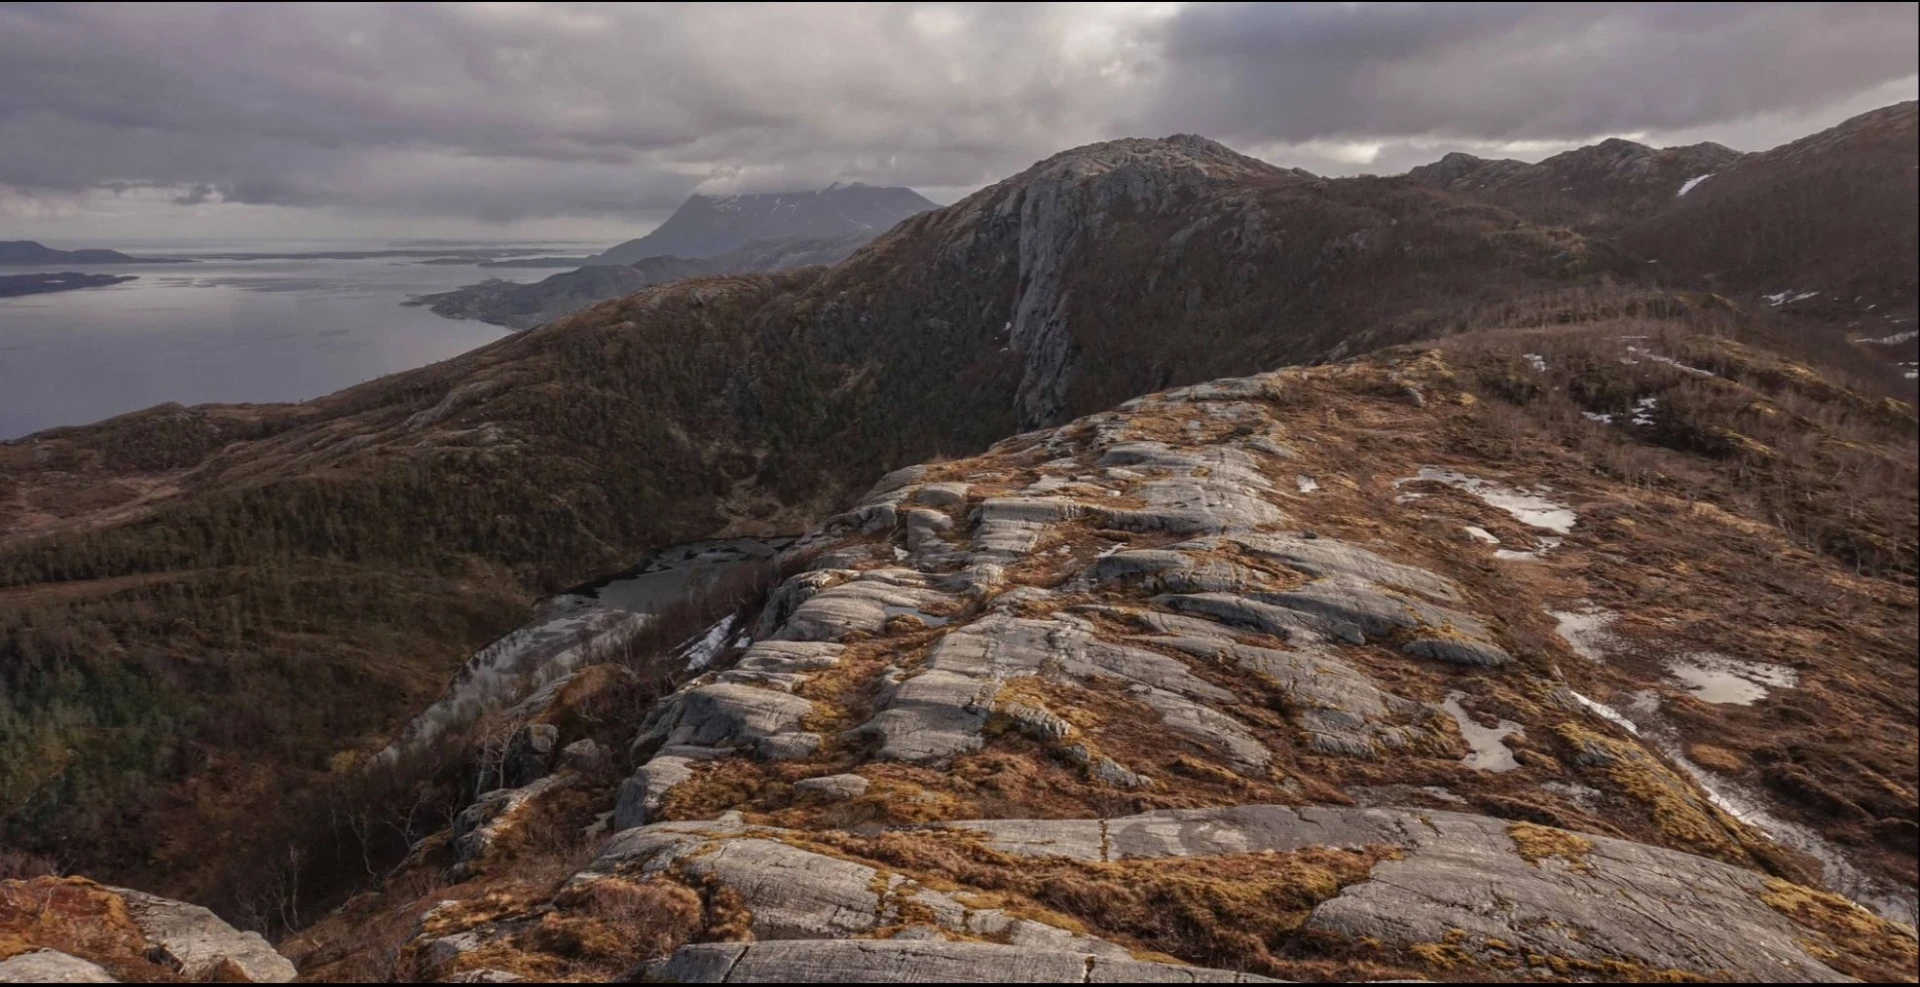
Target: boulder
x: 51, y: 966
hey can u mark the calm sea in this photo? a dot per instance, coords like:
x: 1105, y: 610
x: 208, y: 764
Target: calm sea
x: 225, y: 330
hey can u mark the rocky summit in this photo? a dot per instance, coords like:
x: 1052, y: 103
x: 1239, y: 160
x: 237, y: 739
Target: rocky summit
x: 1270, y: 678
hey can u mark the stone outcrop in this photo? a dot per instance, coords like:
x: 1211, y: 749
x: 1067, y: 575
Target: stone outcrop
x: 71, y: 930
x: 1020, y: 713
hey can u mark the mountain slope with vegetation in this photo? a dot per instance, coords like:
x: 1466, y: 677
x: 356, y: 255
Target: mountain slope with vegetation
x: 208, y: 612
x: 1404, y: 667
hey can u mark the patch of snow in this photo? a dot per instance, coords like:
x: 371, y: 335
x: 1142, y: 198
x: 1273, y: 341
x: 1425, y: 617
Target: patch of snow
x: 1606, y: 712
x: 1529, y: 507
x: 1719, y: 679
x: 1536, y: 361
x: 1595, y: 416
x: 1893, y: 340
x: 1482, y: 535
x: 1586, y: 631
x: 1669, y: 361
x: 1691, y: 182
x: 1788, y: 297
x: 1547, y: 544
x: 1490, y: 753
x: 1643, y: 410
x: 1306, y: 483
x: 1896, y: 902
x: 700, y: 653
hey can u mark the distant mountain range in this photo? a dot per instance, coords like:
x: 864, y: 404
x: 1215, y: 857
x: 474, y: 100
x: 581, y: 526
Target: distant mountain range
x: 706, y: 225
x: 725, y: 234
x: 31, y: 253
x: 523, y: 306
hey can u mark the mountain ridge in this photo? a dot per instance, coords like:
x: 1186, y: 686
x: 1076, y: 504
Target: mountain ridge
x: 434, y: 505
x: 706, y: 225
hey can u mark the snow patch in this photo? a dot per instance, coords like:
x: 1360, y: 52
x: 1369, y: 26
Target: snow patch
x: 1691, y: 182
x: 1587, y: 631
x: 1893, y: 340
x: 1716, y: 678
x: 1529, y: 507
x: 1641, y: 351
x: 701, y: 652
x: 1490, y: 752
x: 1536, y: 361
x: 1306, y: 483
x: 1536, y: 554
x: 1731, y: 797
x: 1605, y: 712
x: 1482, y: 535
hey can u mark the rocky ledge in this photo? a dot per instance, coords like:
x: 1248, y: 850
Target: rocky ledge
x: 72, y: 930
x: 1102, y: 705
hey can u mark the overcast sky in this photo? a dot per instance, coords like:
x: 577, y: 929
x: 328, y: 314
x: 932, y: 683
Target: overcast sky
x: 594, y: 121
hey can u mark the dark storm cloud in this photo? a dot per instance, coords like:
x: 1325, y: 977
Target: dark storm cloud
x: 1518, y: 71
x: 510, y: 111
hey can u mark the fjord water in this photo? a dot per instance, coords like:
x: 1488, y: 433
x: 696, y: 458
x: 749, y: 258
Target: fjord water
x: 226, y: 330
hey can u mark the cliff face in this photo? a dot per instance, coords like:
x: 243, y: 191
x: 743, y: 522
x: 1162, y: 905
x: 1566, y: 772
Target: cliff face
x: 1406, y: 667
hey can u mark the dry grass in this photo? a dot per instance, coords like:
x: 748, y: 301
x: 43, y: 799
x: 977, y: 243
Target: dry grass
x: 1857, y: 942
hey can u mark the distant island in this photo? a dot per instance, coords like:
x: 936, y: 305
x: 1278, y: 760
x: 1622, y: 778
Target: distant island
x: 31, y: 253
x: 15, y: 285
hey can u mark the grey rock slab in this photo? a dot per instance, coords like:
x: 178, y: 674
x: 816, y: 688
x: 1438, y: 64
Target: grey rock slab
x: 914, y: 961
x: 1655, y: 907
x: 1329, y: 557
x: 836, y: 787
x: 1210, y: 727
x: 943, y: 494
x: 641, y: 794
x: 50, y: 966
x: 586, y: 756
x: 201, y: 943
x: 1238, y: 611
x: 861, y: 604
x: 721, y: 714
x: 790, y: 746
x: 1458, y: 651
x: 1636, y: 903
x: 793, y: 893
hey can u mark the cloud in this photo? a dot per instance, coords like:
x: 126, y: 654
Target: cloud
x: 523, y: 112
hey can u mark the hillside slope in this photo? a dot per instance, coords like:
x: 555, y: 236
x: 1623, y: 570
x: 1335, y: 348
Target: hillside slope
x: 1828, y: 218
x: 207, y: 610
x: 1605, y: 186
x: 1416, y: 666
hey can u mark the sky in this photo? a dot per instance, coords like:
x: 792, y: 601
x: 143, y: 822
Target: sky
x: 522, y: 120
